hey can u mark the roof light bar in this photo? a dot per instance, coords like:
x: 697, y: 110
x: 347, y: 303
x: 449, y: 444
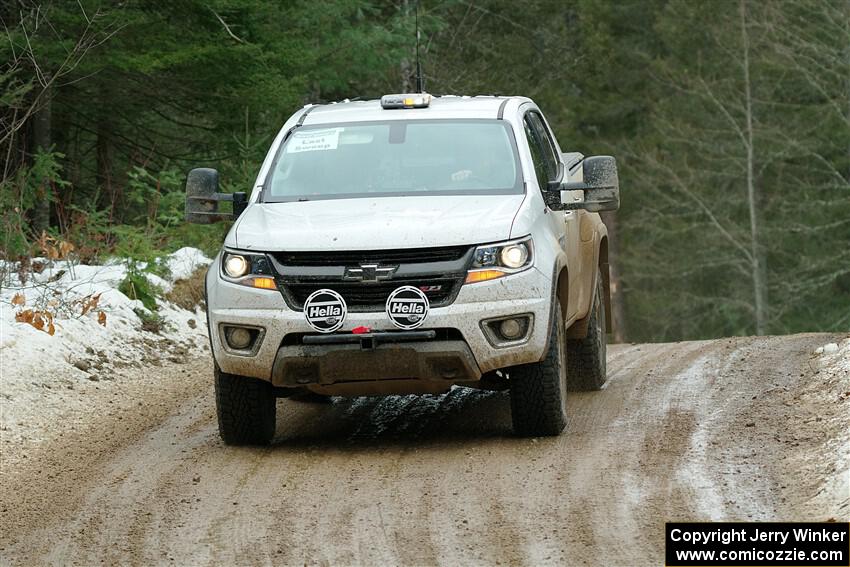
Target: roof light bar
x: 414, y: 100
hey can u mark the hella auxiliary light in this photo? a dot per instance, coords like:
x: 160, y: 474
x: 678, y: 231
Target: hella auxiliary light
x: 415, y: 100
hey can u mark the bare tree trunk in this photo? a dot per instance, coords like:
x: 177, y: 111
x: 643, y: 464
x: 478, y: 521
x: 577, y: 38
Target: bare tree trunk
x: 42, y: 142
x: 757, y: 259
x: 618, y: 303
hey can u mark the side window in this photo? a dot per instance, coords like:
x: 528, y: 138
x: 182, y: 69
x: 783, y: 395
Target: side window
x: 537, y: 151
x: 546, y: 164
x: 549, y: 157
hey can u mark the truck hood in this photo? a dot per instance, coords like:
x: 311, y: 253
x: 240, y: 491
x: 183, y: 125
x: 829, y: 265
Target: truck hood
x: 375, y: 224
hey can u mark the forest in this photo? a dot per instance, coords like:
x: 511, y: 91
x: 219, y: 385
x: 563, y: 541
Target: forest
x: 730, y: 121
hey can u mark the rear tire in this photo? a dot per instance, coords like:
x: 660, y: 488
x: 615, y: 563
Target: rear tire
x: 587, y: 368
x: 246, y: 409
x: 539, y: 390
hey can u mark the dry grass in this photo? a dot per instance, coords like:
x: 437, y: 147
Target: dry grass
x: 189, y: 293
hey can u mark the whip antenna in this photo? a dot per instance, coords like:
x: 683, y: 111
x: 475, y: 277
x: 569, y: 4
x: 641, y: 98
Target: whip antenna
x: 420, y: 87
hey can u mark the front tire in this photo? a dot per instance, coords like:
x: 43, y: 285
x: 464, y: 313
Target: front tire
x: 246, y: 409
x: 539, y: 390
x: 587, y: 366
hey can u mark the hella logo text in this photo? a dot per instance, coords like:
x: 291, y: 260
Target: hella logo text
x: 407, y: 308
x: 328, y: 311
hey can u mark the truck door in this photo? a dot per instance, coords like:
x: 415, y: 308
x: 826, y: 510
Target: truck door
x: 547, y: 167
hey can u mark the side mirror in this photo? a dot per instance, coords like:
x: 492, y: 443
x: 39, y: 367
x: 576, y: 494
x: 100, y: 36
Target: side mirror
x: 202, y: 198
x: 601, y: 185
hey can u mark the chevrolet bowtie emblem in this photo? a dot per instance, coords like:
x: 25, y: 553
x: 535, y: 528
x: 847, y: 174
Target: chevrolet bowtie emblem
x: 369, y: 273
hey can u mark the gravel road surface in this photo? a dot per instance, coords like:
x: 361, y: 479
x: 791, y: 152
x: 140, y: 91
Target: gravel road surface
x: 731, y: 429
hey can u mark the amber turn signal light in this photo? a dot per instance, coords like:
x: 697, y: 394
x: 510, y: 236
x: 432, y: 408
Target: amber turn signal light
x: 483, y: 275
x: 265, y: 283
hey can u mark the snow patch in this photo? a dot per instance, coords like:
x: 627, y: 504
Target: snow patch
x: 37, y: 370
x: 185, y: 261
x: 835, y: 357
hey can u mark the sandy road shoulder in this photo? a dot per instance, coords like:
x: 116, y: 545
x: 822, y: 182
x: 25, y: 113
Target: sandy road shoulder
x: 48, y: 475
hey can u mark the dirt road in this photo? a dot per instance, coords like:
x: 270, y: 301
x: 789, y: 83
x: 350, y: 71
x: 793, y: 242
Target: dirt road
x: 724, y: 430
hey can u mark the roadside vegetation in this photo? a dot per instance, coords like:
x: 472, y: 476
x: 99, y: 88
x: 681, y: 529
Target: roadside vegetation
x: 730, y: 121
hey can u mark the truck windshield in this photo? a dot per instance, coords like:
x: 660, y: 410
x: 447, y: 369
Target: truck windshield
x: 395, y: 158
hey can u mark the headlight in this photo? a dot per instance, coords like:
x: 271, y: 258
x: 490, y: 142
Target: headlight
x: 514, y: 256
x: 235, y: 265
x: 497, y: 260
x: 252, y: 270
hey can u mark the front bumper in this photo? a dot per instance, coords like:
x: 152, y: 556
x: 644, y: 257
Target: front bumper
x: 435, y: 365
x: 525, y: 292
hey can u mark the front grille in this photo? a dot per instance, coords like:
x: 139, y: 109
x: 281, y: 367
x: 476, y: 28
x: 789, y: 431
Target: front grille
x: 354, y: 257
x: 361, y: 296
x: 438, y: 272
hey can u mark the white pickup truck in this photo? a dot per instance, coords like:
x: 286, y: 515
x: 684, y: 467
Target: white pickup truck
x: 405, y: 246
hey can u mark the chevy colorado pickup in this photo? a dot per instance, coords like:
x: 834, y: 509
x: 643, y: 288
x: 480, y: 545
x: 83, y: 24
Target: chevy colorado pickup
x: 405, y: 246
